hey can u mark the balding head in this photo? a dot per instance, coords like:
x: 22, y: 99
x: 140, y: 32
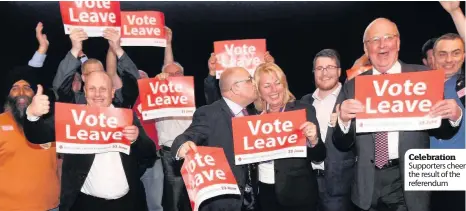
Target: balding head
x: 379, y: 24
x: 237, y: 85
x: 229, y: 76
x: 382, y: 43
x: 89, y: 66
x: 99, y: 89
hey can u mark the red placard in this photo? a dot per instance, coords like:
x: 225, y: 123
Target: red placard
x: 92, y: 16
x: 81, y: 129
x: 207, y: 174
x: 269, y: 136
x: 395, y: 102
x: 171, y: 97
x: 239, y: 53
x: 143, y: 28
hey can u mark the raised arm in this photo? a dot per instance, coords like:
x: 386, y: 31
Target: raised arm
x: 41, y: 53
x: 63, y: 80
x: 168, y: 56
x: 111, y: 67
x: 454, y: 9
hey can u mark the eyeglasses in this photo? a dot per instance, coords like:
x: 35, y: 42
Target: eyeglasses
x: 378, y: 40
x: 328, y: 68
x: 250, y: 78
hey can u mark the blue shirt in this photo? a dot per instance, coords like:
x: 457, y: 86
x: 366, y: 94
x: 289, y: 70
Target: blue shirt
x: 457, y: 142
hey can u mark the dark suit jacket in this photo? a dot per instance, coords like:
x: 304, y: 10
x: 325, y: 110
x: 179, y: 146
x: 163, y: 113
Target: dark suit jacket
x: 363, y: 185
x: 211, y: 126
x: 338, y: 165
x: 125, y: 97
x: 76, y: 166
x: 295, y: 182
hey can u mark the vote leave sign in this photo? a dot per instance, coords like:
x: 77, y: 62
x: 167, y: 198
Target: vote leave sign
x: 398, y: 102
x: 268, y: 137
x: 239, y: 53
x: 207, y: 174
x: 143, y: 28
x: 92, y: 16
x: 81, y: 129
x: 171, y: 97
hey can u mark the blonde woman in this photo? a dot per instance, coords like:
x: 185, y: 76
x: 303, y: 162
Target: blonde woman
x: 287, y: 184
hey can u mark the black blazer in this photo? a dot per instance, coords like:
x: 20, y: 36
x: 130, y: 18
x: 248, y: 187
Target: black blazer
x: 295, y: 182
x: 363, y: 185
x: 339, y: 165
x: 76, y: 166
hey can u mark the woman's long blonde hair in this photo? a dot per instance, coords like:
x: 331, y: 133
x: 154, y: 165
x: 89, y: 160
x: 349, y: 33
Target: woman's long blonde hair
x: 271, y: 68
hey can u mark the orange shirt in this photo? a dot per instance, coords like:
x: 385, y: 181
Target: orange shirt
x: 28, y: 172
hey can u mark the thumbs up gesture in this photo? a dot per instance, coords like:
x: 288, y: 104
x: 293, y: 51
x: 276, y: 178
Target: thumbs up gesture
x: 40, y: 104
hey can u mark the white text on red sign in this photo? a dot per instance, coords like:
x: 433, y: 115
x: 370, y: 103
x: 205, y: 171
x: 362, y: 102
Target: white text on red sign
x: 141, y: 21
x: 166, y: 100
x: 246, y: 56
x: 93, y: 121
x: 203, y: 161
x: 399, y: 106
x: 92, y: 17
x: 267, y: 128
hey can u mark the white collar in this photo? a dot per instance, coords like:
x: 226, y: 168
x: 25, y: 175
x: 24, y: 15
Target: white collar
x: 395, y: 69
x: 334, y: 93
x: 235, y: 108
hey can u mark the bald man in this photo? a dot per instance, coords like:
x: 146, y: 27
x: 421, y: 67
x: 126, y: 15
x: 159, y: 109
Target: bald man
x: 380, y: 166
x: 94, y: 182
x: 211, y: 126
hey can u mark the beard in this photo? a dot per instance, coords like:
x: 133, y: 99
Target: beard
x: 17, y: 109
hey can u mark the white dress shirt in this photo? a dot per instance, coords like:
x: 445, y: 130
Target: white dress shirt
x: 106, y: 178
x: 393, y: 136
x: 324, y: 108
x: 169, y: 128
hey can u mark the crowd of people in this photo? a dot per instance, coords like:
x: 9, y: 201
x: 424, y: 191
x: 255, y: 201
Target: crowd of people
x: 343, y: 170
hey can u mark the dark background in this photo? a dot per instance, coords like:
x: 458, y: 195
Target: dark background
x: 295, y: 32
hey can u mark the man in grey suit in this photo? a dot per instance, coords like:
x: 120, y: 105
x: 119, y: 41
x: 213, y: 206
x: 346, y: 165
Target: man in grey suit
x: 378, y: 183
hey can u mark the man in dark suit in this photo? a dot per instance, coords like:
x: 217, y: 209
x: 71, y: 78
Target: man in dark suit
x: 211, y: 126
x: 104, y: 181
x: 379, y: 177
x: 335, y: 174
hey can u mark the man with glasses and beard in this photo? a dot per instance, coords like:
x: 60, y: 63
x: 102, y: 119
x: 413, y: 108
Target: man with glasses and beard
x: 28, y: 171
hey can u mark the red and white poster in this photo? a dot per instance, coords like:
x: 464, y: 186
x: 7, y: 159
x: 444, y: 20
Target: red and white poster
x: 239, y: 53
x: 143, y: 28
x: 395, y: 102
x: 269, y: 136
x: 92, y: 16
x: 81, y: 129
x: 207, y: 174
x: 172, y: 97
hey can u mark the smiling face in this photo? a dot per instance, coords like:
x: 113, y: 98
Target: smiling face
x: 19, y: 99
x: 99, y: 89
x: 382, y: 44
x: 326, y: 73
x: 449, y: 56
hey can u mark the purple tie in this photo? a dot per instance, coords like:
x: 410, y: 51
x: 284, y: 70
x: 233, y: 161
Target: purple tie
x: 245, y: 112
x: 381, y: 147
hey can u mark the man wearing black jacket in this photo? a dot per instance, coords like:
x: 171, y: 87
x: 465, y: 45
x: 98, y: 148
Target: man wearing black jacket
x: 85, y: 177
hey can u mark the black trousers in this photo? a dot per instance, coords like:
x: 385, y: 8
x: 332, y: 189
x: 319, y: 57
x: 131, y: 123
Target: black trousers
x: 175, y: 197
x: 388, y: 190
x: 332, y: 203
x: 269, y: 202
